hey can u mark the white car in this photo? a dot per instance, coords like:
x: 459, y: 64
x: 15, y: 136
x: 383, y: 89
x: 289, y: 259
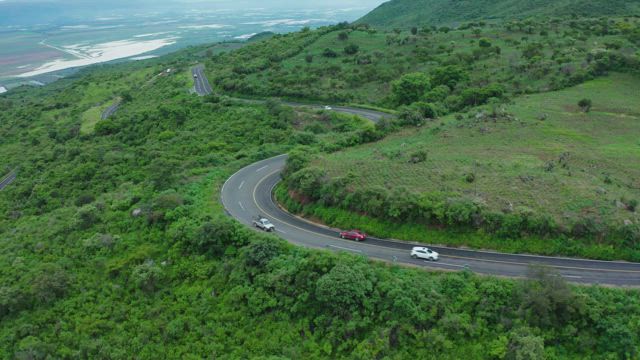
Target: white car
x: 424, y: 253
x: 264, y: 224
x: 327, y: 107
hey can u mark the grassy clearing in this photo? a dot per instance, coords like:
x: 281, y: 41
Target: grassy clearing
x: 90, y: 118
x: 547, y: 157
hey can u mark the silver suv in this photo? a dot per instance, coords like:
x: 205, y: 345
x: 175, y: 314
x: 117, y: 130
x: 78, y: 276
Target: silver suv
x: 424, y: 253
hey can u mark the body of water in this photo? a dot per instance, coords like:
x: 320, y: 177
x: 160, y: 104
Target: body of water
x: 34, y: 52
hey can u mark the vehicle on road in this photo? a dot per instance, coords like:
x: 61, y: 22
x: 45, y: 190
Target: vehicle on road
x: 327, y: 107
x: 356, y: 235
x: 419, y: 252
x: 195, y: 76
x: 264, y: 224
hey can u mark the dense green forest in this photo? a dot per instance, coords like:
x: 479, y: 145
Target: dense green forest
x: 113, y: 244
x: 406, y: 13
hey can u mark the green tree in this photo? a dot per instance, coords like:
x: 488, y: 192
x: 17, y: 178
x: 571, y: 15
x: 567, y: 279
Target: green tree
x: 298, y: 158
x: 532, y: 50
x: 585, y: 105
x: 351, y: 49
x: 162, y: 172
x: 260, y: 252
x: 147, y: 276
x: 410, y: 88
x: 50, y: 283
x: 214, y: 236
x: 344, y: 289
x: 546, y: 299
x: 450, y: 75
x: 523, y: 345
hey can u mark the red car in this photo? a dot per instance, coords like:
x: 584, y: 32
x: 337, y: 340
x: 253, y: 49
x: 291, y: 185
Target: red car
x: 356, y: 235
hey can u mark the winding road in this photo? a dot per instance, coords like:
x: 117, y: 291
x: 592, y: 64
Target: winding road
x: 249, y: 193
x: 8, y: 179
x: 110, y: 110
x: 201, y: 84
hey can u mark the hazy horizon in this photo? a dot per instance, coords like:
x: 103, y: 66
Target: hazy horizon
x: 29, y: 12
x: 44, y: 36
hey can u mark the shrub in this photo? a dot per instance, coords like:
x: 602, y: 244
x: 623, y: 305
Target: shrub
x: 329, y: 53
x: 297, y: 160
x: 585, y: 105
x: 308, y: 181
x: 258, y: 253
x: 87, y: 216
x: 470, y: 178
x: 437, y: 94
x: 344, y: 289
x: 479, y: 96
x: 351, y: 49
x: 418, y: 156
x: 147, y: 276
x: 50, y: 283
x: 84, y: 199
x: 450, y: 75
x: 484, y: 43
x: 214, y: 236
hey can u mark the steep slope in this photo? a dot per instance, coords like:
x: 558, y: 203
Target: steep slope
x: 405, y: 13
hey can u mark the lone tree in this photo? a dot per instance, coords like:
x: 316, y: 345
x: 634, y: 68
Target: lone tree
x: 585, y: 105
x: 414, y: 30
x: 343, y: 36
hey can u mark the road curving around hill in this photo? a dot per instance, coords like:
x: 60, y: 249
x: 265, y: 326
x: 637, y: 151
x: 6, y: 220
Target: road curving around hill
x: 249, y: 193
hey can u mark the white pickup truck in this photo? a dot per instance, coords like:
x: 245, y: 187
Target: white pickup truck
x: 264, y: 224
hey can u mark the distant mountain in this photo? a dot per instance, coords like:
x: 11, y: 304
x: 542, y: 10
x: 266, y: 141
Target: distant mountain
x: 406, y: 13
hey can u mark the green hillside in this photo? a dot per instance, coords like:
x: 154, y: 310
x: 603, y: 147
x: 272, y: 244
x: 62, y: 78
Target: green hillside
x: 114, y: 243
x: 540, y: 167
x: 407, y: 13
x: 354, y: 64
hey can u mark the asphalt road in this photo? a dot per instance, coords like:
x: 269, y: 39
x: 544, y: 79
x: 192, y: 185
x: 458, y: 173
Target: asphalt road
x: 8, y: 179
x: 248, y: 193
x: 201, y: 84
x: 110, y: 110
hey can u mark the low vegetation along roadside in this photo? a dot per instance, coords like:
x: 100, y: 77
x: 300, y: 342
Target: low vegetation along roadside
x: 542, y: 175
